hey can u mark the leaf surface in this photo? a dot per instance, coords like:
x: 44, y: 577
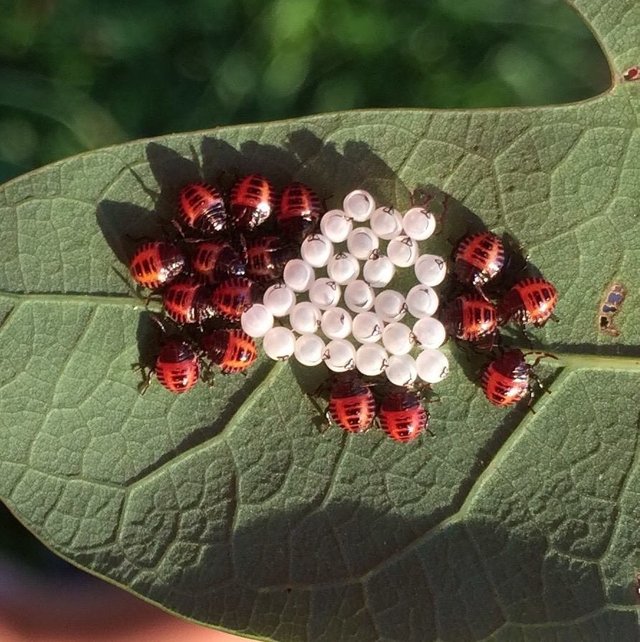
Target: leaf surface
x: 227, y: 506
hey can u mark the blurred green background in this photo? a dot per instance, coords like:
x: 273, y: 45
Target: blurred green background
x: 78, y: 75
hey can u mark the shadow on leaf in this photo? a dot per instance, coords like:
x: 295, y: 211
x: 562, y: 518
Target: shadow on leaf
x: 315, y: 572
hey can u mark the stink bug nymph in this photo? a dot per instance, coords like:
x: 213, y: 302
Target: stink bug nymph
x: 188, y: 301
x: 177, y: 367
x: 202, y: 208
x: 402, y: 415
x: 478, y: 258
x: 217, y: 260
x: 156, y: 263
x: 531, y: 301
x: 251, y: 202
x: 351, y: 404
x: 267, y: 256
x: 508, y: 378
x: 299, y: 211
x: 232, y: 297
x: 231, y: 349
x: 470, y: 317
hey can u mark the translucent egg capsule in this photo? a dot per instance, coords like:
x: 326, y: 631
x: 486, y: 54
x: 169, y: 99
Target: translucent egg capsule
x: 371, y: 359
x: 403, y: 251
x: 367, y: 327
x: 362, y: 242
x: 402, y: 370
x: 432, y: 365
x: 343, y: 268
x: 324, y: 293
x: 429, y: 333
x: 279, y: 299
x: 305, y: 317
x: 358, y: 205
x: 256, y: 321
x: 298, y: 275
x: 378, y: 271
x: 422, y: 301
x: 390, y: 305
x: 336, y: 225
x: 336, y: 323
x: 309, y: 349
x: 386, y: 223
x: 279, y: 343
x: 430, y: 269
x: 359, y: 296
x: 418, y: 223
x: 316, y: 250
x: 339, y: 355
x: 397, y: 338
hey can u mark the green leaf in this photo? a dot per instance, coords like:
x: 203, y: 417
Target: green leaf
x: 227, y: 506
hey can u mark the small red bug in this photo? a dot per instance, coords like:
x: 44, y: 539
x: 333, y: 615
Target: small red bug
x: 402, y: 415
x: 470, y: 317
x: 267, y: 256
x: 531, y: 301
x: 251, y: 202
x: 188, y: 301
x: 230, y: 349
x: 233, y: 296
x: 351, y: 404
x: 299, y: 210
x: 506, y: 379
x: 478, y: 258
x: 202, y: 208
x: 217, y: 260
x: 177, y: 367
x: 156, y: 263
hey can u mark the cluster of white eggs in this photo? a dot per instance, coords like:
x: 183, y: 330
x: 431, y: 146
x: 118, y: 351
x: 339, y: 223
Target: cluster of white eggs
x: 367, y: 332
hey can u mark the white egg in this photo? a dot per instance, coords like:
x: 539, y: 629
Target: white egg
x: 403, y: 251
x: 397, y: 338
x: 432, y: 365
x: 256, y: 321
x: 359, y: 296
x: 324, y: 293
x: 386, y: 223
x: 336, y: 225
x: 340, y: 355
x: 316, y: 250
x: 429, y: 333
x: 279, y: 299
x: 367, y: 327
x: 358, y: 205
x: 378, y: 271
x: 371, y: 359
x: 430, y: 269
x: 279, y: 343
x: 422, y: 301
x: 298, y: 275
x: 336, y: 323
x: 390, y: 305
x: 305, y: 317
x: 343, y: 268
x: 362, y: 242
x: 309, y: 349
x: 419, y: 223
x: 402, y: 370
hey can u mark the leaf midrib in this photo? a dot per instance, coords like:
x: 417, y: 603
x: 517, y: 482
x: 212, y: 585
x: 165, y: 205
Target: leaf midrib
x: 567, y: 360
